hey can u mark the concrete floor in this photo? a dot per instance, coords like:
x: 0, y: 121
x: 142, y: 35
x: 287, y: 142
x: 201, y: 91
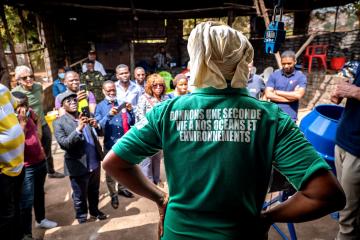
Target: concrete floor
x: 135, y: 219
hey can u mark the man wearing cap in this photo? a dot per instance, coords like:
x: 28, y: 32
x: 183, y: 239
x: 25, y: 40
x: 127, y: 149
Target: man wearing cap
x: 77, y: 135
x: 97, y: 66
x: 220, y: 146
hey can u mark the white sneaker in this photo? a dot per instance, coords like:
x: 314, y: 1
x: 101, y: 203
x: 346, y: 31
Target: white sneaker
x: 45, y: 223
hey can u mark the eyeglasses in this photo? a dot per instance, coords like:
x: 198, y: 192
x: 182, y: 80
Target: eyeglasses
x: 157, y: 85
x: 26, y: 77
x: 70, y: 100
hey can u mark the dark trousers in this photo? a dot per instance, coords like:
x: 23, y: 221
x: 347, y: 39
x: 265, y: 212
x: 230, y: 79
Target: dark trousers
x: 10, y: 192
x: 86, y: 190
x: 33, y: 195
x: 111, y: 183
x: 46, y: 141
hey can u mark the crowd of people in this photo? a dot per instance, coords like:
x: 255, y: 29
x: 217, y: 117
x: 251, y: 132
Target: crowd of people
x: 218, y: 173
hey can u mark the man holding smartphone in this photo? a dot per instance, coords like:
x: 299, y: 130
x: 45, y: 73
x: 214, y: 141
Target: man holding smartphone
x: 115, y: 118
x: 72, y: 82
x: 77, y: 135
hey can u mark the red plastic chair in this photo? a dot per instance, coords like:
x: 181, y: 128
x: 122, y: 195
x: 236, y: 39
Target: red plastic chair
x: 315, y: 51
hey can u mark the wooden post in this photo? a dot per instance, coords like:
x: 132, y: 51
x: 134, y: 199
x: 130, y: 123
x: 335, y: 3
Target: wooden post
x: 308, y: 41
x: 132, y: 59
x: 336, y: 17
x: 231, y: 17
x: 259, y: 4
x: 47, y: 60
x: 4, y: 73
x: 25, y: 36
x: 8, y: 35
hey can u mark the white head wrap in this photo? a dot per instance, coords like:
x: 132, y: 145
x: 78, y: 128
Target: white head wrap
x: 218, y: 53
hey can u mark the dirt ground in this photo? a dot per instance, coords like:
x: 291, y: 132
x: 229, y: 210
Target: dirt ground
x: 135, y: 219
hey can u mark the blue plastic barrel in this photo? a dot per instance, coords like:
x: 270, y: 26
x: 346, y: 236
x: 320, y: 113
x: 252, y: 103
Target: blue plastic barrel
x: 319, y: 128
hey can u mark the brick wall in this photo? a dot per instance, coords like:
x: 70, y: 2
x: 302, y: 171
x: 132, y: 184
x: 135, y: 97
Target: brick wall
x: 318, y: 89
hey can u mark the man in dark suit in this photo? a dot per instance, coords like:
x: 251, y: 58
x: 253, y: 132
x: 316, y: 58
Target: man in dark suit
x: 77, y: 135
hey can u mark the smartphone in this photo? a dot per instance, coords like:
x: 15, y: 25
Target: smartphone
x: 82, y: 87
x: 121, y: 106
x: 85, y: 111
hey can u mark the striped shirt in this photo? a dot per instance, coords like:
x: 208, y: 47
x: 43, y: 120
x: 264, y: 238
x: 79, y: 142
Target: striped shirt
x: 11, y: 136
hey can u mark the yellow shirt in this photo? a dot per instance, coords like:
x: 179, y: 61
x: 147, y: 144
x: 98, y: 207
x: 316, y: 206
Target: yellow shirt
x: 11, y: 136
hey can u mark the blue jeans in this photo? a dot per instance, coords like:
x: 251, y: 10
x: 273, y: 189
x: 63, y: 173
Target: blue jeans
x: 86, y: 189
x: 10, y: 193
x: 33, y: 195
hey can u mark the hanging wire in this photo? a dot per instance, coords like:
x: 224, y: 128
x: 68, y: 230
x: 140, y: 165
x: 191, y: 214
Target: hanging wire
x: 278, y: 7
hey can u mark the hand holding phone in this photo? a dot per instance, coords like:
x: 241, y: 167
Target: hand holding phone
x: 82, y: 87
x: 121, y: 106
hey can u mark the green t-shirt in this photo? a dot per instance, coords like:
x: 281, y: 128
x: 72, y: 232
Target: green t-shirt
x: 219, y: 149
x: 34, y: 98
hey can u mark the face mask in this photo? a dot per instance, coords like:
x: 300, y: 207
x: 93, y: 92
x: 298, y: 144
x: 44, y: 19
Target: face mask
x: 61, y: 75
x: 110, y: 99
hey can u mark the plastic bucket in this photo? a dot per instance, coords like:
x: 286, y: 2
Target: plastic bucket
x: 50, y: 118
x: 319, y: 128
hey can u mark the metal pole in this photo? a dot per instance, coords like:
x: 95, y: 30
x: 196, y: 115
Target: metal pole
x: 336, y: 17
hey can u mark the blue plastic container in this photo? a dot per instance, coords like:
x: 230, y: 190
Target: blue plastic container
x: 319, y: 128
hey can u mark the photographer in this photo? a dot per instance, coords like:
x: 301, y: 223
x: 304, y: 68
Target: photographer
x: 77, y: 135
x: 72, y: 82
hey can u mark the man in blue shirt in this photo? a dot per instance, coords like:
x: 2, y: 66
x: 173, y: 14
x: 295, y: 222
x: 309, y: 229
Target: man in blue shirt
x: 58, y: 85
x: 347, y: 156
x: 286, y: 86
x: 115, y: 117
x: 256, y: 85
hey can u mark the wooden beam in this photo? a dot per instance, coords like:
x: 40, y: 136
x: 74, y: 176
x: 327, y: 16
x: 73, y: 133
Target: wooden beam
x: 8, y: 35
x: 240, y: 6
x: 27, y: 52
x: 306, y: 43
x: 263, y: 12
x: 139, y: 10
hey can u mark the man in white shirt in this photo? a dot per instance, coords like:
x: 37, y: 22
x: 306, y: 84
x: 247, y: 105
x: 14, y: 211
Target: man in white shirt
x: 97, y: 66
x: 139, y: 74
x: 126, y: 90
